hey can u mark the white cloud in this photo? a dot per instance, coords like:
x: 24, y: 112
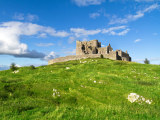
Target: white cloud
x: 133, y: 17
x: 55, y: 33
x: 42, y: 35
x: 137, y: 40
x: 82, y: 32
x: 119, y: 30
x: 150, y: 8
x: 28, y: 17
x: 113, y: 29
x: 31, y: 17
x: 100, y: 12
x: 44, y: 44
x: 88, y: 2
x: 94, y: 15
x: 124, y: 32
x: 50, y: 56
x: 10, y: 33
x: 18, y: 16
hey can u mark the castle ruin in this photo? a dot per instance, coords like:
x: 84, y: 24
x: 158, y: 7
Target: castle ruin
x: 93, y: 49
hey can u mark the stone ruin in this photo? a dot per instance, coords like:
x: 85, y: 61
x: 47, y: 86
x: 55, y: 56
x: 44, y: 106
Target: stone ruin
x: 93, y: 49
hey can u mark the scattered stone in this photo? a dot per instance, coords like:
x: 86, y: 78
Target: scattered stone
x: 67, y: 68
x: 133, y: 97
x: 17, y: 71
x: 56, y: 93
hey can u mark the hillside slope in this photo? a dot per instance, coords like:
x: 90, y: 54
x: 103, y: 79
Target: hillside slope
x: 90, y: 89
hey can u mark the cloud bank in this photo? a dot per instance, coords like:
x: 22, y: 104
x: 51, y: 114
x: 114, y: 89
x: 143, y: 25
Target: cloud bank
x: 10, y: 33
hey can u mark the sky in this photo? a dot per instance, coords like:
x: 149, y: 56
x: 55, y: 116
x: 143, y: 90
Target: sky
x: 35, y: 31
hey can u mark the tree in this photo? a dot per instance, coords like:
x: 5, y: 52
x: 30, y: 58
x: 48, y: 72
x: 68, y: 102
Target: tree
x: 32, y: 67
x: 146, y: 61
x: 13, y: 67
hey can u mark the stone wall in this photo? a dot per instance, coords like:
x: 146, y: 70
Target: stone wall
x: 78, y: 57
x: 112, y: 55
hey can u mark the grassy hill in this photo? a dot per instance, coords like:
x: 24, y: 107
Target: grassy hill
x: 90, y: 89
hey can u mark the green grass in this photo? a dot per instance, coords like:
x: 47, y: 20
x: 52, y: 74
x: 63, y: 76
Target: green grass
x: 29, y: 94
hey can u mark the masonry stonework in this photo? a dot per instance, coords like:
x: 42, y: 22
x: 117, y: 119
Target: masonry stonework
x: 93, y: 49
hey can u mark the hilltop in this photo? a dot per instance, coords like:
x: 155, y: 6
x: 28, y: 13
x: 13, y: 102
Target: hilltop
x: 88, y: 89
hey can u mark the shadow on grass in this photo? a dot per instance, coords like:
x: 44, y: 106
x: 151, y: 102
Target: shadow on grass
x: 146, y: 83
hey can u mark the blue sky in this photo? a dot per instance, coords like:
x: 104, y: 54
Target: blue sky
x: 34, y: 31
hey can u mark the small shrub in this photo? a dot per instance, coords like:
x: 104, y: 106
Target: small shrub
x: 13, y: 67
x: 101, y: 56
x: 146, y: 61
x: 32, y: 67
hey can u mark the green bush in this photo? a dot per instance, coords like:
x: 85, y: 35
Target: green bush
x: 13, y: 67
x: 146, y: 61
x: 32, y: 67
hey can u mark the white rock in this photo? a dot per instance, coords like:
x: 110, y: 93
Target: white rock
x: 67, y: 68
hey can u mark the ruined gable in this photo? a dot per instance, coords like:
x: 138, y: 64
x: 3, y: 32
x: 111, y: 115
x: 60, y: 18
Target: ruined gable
x: 87, y: 47
x: 91, y: 47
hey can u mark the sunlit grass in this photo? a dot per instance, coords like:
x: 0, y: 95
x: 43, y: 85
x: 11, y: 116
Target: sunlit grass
x: 89, y: 89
